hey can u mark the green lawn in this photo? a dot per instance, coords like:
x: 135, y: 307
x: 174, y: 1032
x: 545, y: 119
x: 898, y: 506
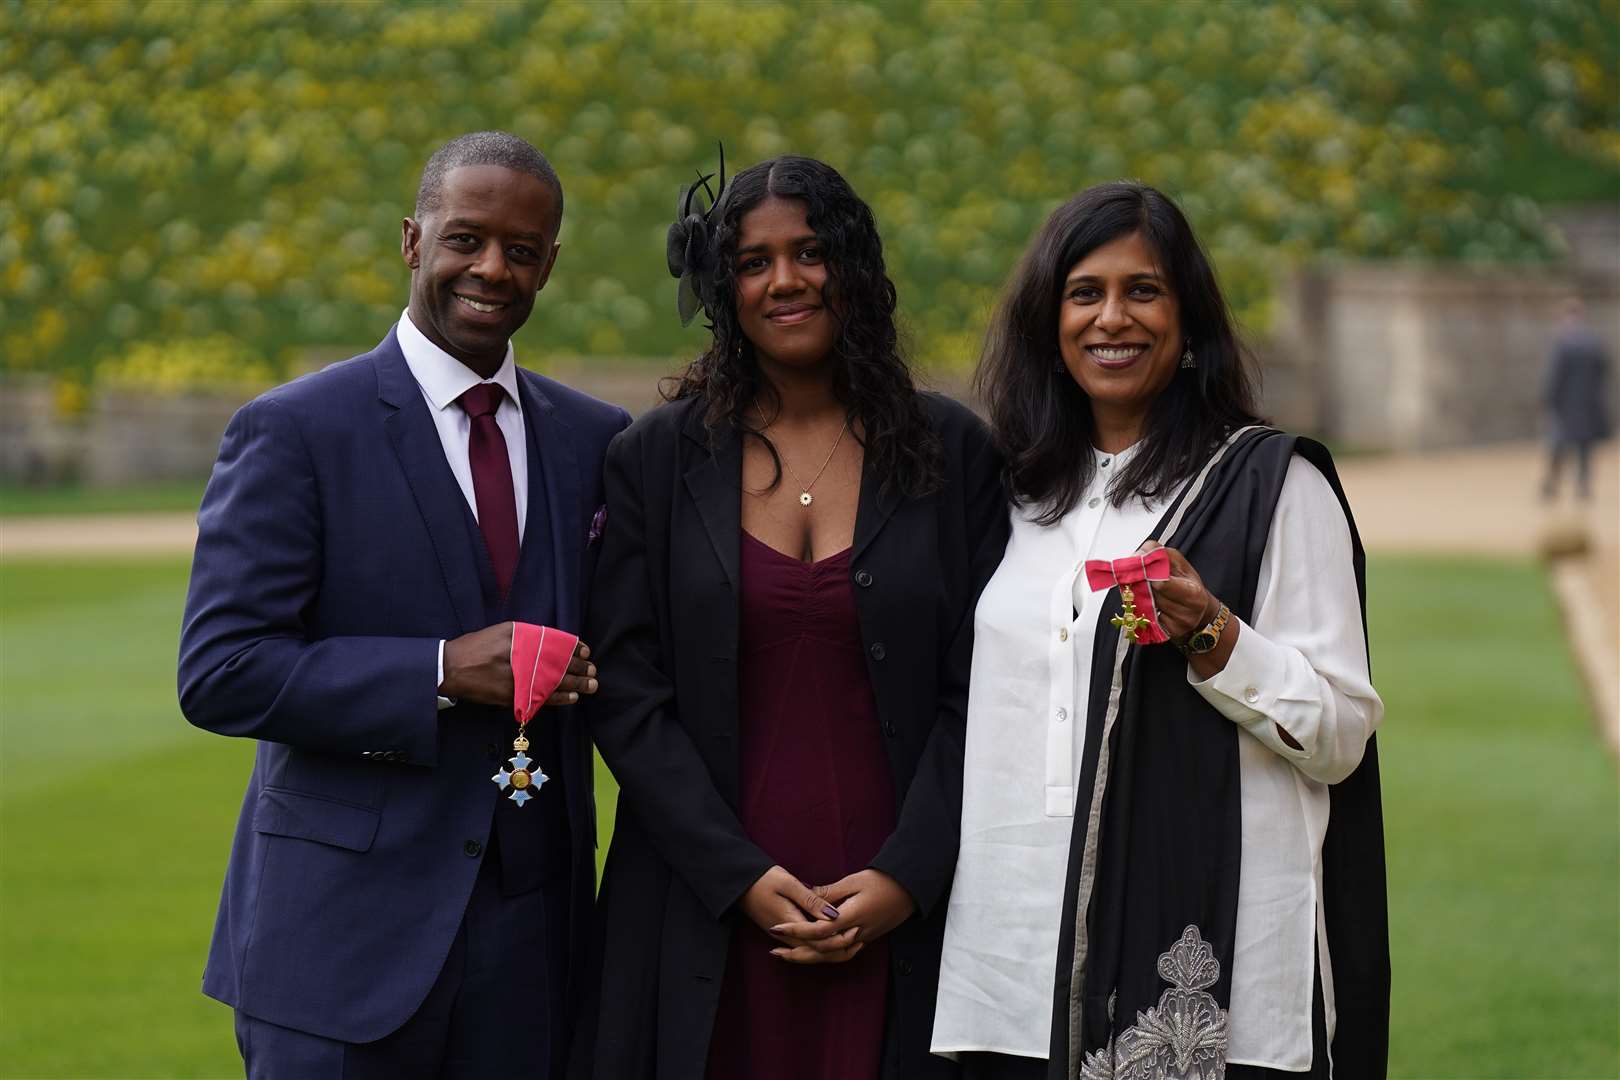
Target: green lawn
x: 115, y: 817
x: 22, y: 501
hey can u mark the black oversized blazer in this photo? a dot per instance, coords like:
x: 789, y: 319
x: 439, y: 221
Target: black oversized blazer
x: 663, y: 627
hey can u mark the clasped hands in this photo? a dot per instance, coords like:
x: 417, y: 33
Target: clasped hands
x: 478, y: 667
x: 826, y: 924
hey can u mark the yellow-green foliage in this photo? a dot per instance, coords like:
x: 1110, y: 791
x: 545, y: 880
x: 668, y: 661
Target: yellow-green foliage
x: 175, y: 170
x: 218, y: 361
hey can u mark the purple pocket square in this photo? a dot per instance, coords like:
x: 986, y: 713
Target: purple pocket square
x: 598, y: 522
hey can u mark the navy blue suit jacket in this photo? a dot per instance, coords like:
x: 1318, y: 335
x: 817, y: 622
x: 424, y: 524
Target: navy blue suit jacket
x: 334, y: 551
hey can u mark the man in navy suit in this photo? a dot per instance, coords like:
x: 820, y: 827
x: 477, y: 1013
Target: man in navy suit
x: 367, y: 535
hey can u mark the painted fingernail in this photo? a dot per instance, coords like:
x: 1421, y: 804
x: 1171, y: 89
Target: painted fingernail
x: 590, y: 686
x: 830, y: 911
x: 572, y: 696
x: 778, y: 928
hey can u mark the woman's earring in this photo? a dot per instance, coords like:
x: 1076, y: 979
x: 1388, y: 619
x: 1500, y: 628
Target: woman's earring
x: 1057, y: 365
x: 1188, y: 360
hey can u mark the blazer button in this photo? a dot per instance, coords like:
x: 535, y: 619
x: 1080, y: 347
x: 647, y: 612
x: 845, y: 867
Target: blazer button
x: 863, y: 578
x: 878, y: 651
x: 905, y: 967
x: 888, y: 728
x: 472, y: 849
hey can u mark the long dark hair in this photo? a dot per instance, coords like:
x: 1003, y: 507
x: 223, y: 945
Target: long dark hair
x: 1042, y: 418
x: 872, y: 377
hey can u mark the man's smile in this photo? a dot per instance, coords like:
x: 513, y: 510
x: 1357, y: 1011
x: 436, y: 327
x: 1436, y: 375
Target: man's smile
x: 484, y: 306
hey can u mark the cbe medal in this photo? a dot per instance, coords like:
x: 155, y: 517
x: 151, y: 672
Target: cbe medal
x: 540, y: 657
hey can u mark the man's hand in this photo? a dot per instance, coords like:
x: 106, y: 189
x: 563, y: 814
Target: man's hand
x: 791, y: 911
x: 581, y: 678
x: 478, y: 667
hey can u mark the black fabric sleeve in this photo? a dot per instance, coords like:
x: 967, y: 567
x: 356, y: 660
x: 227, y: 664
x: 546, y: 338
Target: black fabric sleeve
x: 663, y: 778
x: 921, y: 852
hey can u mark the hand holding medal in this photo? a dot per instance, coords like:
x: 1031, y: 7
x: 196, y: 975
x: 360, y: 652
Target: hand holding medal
x: 540, y: 658
x: 1134, y: 575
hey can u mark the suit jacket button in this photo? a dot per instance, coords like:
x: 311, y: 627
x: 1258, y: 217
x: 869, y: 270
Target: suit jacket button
x: 396, y: 755
x: 878, y: 651
x: 905, y: 967
x: 472, y: 849
x: 863, y: 578
x: 888, y: 728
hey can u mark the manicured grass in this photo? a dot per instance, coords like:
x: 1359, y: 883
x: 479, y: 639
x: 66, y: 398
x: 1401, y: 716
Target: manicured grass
x: 1501, y: 804
x: 1503, y: 829
x: 17, y: 501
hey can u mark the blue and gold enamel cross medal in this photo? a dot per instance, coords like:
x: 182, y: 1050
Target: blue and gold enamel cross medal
x: 524, y: 774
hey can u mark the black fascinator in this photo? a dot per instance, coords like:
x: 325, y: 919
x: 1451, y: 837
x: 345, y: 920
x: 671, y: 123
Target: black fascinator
x: 687, y: 247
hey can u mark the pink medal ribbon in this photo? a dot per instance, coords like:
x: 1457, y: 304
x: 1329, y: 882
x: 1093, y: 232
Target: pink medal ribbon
x: 1142, y: 627
x: 540, y: 657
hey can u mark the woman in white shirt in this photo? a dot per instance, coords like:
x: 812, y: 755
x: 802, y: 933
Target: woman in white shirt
x: 1171, y: 858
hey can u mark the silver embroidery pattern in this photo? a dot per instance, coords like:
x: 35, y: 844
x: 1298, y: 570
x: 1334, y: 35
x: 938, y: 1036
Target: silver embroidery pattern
x: 1184, y: 1036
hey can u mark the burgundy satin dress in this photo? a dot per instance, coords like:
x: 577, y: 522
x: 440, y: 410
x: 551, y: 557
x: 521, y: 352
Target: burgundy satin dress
x: 817, y: 796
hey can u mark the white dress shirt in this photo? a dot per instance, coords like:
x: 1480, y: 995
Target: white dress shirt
x: 1302, y: 664
x: 442, y: 379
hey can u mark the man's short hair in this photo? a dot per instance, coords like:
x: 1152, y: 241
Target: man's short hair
x: 484, y: 148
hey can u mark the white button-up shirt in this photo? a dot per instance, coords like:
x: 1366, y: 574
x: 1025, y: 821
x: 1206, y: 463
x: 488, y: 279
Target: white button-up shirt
x: 443, y: 379
x: 1303, y: 665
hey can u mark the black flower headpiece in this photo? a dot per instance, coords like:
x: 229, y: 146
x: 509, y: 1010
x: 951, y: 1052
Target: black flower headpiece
x: 687, y: 247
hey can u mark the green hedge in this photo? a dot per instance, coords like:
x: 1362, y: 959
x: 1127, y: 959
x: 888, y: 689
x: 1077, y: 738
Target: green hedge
x: 175, y: 170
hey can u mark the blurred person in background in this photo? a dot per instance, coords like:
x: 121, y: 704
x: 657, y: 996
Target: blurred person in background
x: 1186, y: 834
x: 1576, y: 394
x: 367, y: 535
x: 784, y: 607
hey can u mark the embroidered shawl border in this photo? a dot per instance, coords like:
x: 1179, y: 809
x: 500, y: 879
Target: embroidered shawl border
x: 1088, y: 855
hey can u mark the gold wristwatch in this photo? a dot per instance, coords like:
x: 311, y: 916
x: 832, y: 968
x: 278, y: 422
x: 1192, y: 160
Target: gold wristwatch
x: 1203, y: 641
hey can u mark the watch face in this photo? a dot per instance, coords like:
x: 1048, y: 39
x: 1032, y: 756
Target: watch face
x: 1203, y: 641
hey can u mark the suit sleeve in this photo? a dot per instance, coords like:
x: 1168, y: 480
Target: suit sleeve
x: 921, y: 852
x: 663, y: 779
x: 249, y: 664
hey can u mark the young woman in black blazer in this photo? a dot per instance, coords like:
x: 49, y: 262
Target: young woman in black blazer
x: 783, y: 619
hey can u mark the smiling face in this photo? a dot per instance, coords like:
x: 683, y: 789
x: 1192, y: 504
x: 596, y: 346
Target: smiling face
x: 782, y: 283
x: 1119, y: 332
x: 478, y: 259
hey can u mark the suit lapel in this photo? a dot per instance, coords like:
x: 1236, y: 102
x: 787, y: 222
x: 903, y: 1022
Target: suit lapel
x: 438, y: 497
x: 715, y: 484
x: 557, y: 536
x: 873, y: 511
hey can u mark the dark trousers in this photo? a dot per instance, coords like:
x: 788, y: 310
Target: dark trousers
x: 1583, y: 468
x: 977, y: 1066
x: 495, y: 1009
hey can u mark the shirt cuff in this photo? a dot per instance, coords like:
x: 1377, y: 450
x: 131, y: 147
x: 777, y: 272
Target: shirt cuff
x: 1245, y: 691
x: 444, y: 702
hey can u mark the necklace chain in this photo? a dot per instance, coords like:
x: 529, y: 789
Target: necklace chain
x: 805, y: 498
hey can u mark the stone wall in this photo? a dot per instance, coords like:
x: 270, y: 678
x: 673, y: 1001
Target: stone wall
x: 1400, y: 357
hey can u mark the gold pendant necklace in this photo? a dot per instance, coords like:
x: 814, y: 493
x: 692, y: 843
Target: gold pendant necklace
x: 805, y: 498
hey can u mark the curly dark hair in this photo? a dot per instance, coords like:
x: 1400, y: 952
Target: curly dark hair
x: 1042, y: 419
x: 872, y: 377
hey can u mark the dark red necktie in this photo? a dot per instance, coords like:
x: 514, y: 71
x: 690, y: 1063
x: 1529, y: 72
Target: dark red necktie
x: 492, y: 480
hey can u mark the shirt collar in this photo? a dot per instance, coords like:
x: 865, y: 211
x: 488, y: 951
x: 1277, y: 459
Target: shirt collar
x: 441, y: 376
